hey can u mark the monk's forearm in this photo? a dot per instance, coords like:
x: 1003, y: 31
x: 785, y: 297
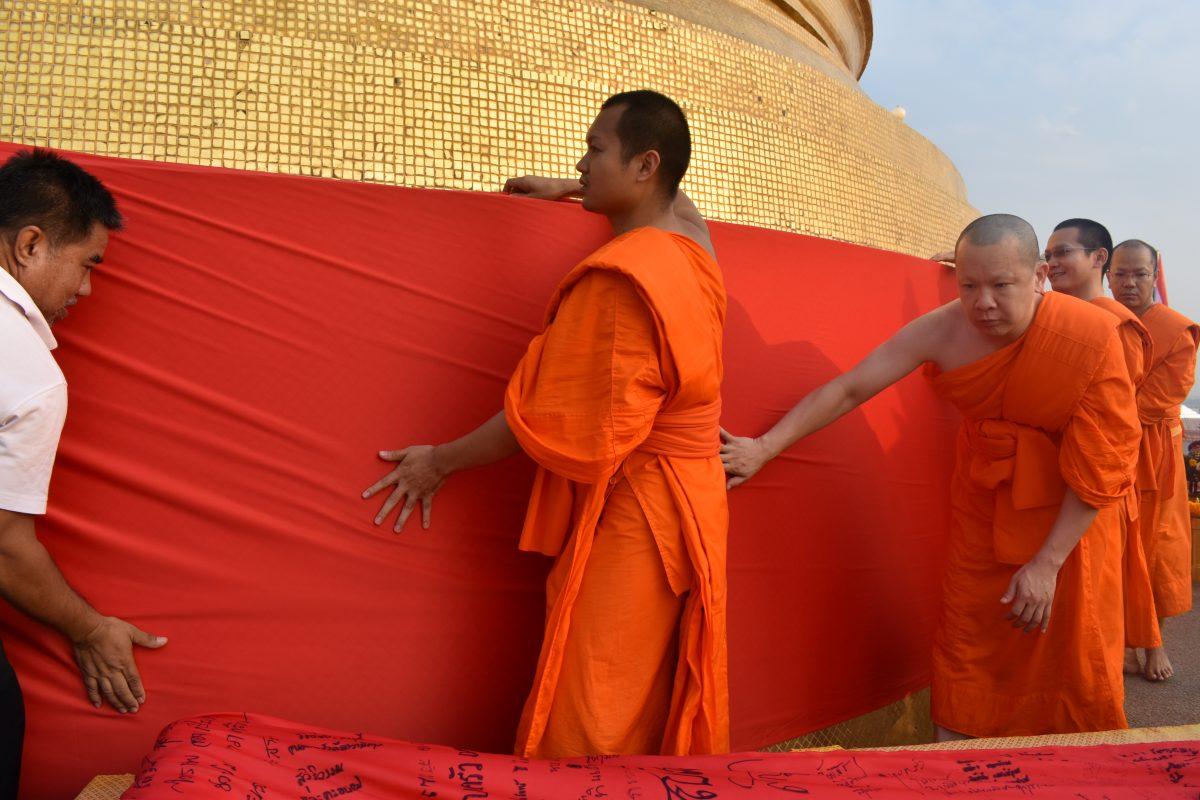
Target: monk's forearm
x: 814, y: 412
x: 683, y: 206
x: 490, y: 442
x: 566, y: 187
x: 1074, y: 518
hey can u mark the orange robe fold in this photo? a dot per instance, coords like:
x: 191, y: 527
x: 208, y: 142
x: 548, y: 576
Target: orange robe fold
x: 1141, y: 619
x: 618, y: 402
x: 1166, y: 533
x: 1053, y: 409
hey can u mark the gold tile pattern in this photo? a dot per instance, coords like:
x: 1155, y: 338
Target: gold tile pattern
x: 904, y: 722
x: 462, y: 94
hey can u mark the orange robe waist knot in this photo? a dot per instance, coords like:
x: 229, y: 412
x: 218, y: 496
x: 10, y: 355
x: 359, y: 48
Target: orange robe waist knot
x: 618, y: 401
x: 1055, y: 409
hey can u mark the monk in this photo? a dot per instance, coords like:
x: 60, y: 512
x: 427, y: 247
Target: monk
x: 1029, y: 639
x: 1165, y: 524
x: 1077, y: 255
x: 618, y: 402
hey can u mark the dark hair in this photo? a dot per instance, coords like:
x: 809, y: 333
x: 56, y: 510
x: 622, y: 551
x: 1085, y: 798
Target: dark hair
x: 1092, y: 235
x: 652, y: 121
x: 1145, y: 245
x: 39, y: 187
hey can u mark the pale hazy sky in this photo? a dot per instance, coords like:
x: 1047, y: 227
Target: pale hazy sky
x: 1057, y: 109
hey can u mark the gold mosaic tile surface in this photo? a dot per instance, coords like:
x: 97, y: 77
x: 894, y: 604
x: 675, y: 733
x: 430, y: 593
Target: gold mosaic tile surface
x: 462, y: 94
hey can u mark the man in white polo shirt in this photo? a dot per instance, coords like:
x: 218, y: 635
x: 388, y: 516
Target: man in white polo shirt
x: 54, y: 224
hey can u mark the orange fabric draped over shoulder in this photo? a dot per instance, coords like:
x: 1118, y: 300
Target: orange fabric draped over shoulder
x: 618, y: 402
x: 1166, y: 533
x: 1141, y: 619
x: 1051, y: 410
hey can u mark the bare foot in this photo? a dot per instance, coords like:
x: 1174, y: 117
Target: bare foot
x: 1158, y: 666
x: 1132, y: 665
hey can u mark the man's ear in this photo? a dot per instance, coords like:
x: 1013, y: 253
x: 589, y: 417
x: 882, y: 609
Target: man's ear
x: 647, y: 166
x: 28, y: 244
x: 1041, y: 272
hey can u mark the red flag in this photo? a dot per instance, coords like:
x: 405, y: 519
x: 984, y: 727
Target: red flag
x: 1160, y: 284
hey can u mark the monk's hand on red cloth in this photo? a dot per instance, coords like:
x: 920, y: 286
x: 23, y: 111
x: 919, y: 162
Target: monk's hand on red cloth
x: 1031, y: 592
x: 416, y: 479
x: 741, y: 457
x: 105, y: 658
x: 542, y: 188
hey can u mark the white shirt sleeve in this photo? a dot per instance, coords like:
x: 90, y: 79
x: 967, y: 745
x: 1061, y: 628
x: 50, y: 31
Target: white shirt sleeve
x: 28, y: 442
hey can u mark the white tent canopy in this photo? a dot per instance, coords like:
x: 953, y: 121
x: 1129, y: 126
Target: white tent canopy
x: 1190, y: 418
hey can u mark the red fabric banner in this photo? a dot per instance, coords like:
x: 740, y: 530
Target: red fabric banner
x: 1160, y: 283
x: 235, y: 755
x: 253, y: 340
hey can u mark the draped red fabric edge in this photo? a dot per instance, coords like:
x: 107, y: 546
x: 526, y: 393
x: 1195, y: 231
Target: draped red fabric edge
x: 253, y: 340
x: 236, y: 755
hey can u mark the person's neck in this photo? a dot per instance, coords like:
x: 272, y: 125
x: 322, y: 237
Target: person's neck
x: 1141, y: 312
x: 650, y: 214
x: 1089, y: 291
x: 6, y: 259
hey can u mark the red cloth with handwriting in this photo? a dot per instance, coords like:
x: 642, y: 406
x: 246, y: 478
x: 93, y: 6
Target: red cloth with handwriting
x: 256, y: 757
x: 253, y: 340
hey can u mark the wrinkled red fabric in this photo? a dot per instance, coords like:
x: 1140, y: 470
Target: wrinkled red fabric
x: 236, y: 755
x: 253, y: 340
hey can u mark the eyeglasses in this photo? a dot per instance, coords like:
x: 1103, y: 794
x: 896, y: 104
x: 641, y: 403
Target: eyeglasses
x: 1065, y: 250
x: 1140, y: 277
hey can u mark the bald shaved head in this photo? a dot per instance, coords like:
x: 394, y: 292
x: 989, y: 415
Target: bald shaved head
x: 995, y: 228
x: 1000, y: 275
x: 1138, y: 244
x: 1134, y: 268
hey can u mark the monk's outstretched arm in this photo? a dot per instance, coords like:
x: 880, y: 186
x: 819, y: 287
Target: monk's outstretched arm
x: 541, y: 188
x: 490, y: 442
x: 1031, y: 590
x: 888, y: 363
x: 422, y: 469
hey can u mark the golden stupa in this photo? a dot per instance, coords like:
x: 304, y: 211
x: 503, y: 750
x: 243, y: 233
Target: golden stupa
x: 465, y: 93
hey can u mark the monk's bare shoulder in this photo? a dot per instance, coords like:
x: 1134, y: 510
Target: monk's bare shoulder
x: 929, y: 335
x: 694, y: 229
x: 686, y: 219
x: 699, y: 233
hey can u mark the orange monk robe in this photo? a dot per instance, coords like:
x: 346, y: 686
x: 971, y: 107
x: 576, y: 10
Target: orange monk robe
x: 1167, y: 533
x: 618, y: 402
x: 1051, y: 410
x: 1141, y: 619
